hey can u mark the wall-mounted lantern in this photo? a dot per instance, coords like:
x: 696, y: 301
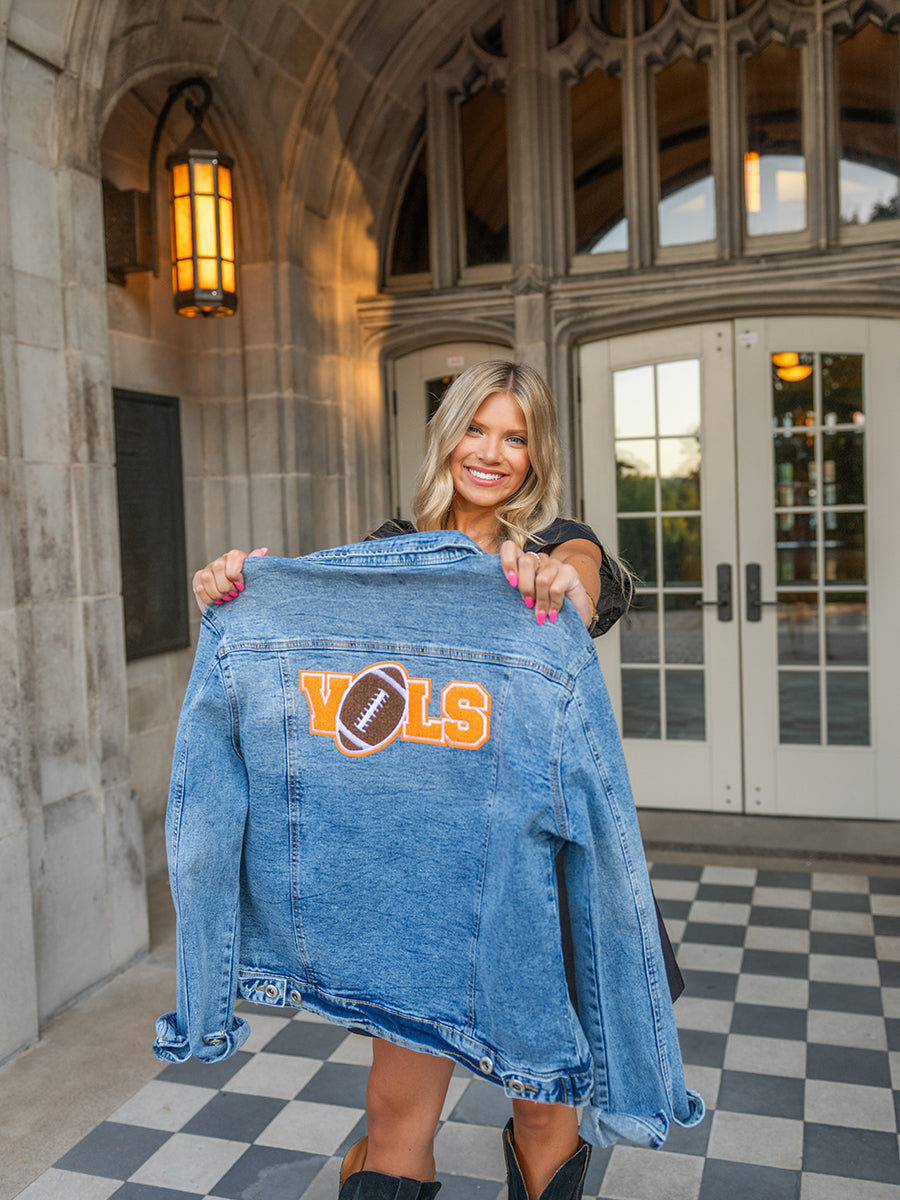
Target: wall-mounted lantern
x: 201, y: 218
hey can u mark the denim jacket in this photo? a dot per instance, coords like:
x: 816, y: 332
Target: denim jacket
x: 379, y: 756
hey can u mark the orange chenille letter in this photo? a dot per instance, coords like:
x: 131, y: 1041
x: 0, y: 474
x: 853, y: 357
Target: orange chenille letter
x: 323, y: 704
x: 466, y: 709
x: 418, y: 726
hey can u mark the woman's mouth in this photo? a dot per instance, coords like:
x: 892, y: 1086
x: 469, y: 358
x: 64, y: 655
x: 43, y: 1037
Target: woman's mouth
x: 484, y: 477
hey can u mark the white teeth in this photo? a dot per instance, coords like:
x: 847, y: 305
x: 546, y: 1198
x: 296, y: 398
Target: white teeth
x: 484, y: 474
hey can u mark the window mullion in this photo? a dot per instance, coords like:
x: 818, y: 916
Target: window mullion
x: 444, y: 187
x: 816, y: 91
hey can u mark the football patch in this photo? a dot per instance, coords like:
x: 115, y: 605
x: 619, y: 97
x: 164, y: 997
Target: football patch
x: 372, y: 709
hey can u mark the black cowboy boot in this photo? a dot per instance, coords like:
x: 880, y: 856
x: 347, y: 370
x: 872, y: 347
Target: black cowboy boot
x: 566, y: 1184
x: 372, y: 1185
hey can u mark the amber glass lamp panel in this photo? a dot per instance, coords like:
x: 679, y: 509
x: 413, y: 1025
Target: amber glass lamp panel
x: 595, y: 108
x: 868, y: 89
x: 409, y: 253
x: 686, y: 210
x: 774, y: 162
x: 485, y: 178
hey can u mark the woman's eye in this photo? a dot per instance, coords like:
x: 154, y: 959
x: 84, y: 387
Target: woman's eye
x: 473, y: 429
x: 519, y: 441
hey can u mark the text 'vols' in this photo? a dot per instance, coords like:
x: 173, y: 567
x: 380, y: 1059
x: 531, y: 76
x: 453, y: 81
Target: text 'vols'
x: 365, y: 712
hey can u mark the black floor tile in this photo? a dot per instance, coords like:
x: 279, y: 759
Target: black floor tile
x: 593, y: 1180
x: 358, y: 1131
x: 307, y: 1038
x: 889, y: 973
x: 845, y: 997
x: 674, y: 910
x: 727, y: 893
x: 765, y: 1020
x: 851, y: 1153
x: 775, y: 962
x: 237, y: 1116
x: 892, y: 1025
x: 482, y: 1104
x: 249, y: 1010
x: 845, y: 945
x: 702, y: 1049
x: 676, y: 871
x: 337, y: 1083
x: 779, y: 918
x: 886, y: 926
x: 784, y: 879
x: 712, y: 934
x: 848, y: 1064
x: 765, y: 1095
x: 742, y: 1181
x: 884, y: 885
x: 208, y: 1075
x: 842, y: 901
x: 689, y: 1141
x: 264, y: 1173
x: 113, y: 1151
x: 710, y: 985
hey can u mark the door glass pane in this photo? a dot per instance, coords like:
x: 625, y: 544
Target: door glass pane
x: 774, y: 164
x: 482, y: 125
x: 639, y: 641
x: 685, y: 706
x: 798, y: 628
x: 820, y: 542
x: 848, y: 708
x: 798, y: 708
x: 658, y: 462
x: 640, y: 704
x: 434, y: 393
x: 684, y: 628
x: 636, y: 475
x: 868, y: 86
x: 595, y: 110
x: 846, y: 629
x: 687, y: 209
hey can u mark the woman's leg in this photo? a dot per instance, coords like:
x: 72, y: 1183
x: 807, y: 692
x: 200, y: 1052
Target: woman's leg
x: 404, y: 1099
x: 544, y: 1136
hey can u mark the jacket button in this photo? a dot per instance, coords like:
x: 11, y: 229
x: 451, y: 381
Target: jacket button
x: 486, y: 1065
x: 214, y: 1041
x: 296, y: 998
x: 517, y: 1086
x: 272, y: 992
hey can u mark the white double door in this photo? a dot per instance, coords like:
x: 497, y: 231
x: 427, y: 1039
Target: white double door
x: 749, y: 472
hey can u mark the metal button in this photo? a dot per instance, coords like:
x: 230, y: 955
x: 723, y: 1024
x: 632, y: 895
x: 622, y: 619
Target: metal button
x: 517, y: 1086
x: 214, y: 1041
x: 296, y: 998
x: 273, y: 991
x: 486, y: 1065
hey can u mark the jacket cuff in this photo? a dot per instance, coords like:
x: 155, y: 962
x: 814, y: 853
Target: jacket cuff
x: 172, y: 1046
x: 604, y: 1129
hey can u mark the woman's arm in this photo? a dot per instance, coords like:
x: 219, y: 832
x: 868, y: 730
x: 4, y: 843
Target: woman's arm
x: 570, y: 571
x: 221, y: 579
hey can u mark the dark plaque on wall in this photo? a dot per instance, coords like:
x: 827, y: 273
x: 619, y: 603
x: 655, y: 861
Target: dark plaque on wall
x: 151, y: 522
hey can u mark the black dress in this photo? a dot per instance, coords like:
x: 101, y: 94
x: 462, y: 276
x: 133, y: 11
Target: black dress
x: 611, y: 604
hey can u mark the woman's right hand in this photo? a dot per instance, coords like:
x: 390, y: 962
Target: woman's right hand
x: 221, y: 580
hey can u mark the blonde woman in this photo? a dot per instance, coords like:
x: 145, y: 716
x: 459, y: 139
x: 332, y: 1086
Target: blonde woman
x: 491, y: 471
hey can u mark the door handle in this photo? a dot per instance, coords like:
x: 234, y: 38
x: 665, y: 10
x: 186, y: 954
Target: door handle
x: 723, y: 593
x: 755, y: 603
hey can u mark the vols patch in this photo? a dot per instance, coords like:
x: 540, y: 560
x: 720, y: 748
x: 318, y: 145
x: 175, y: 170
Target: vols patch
x: 367, y: 711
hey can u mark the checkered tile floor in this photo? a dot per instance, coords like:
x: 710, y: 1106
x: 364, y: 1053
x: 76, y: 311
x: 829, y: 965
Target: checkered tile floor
x: 790, y: 1028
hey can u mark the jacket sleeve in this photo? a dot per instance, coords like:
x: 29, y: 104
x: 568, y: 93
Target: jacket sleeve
x: 624, y: 1004
x: 205, y: 821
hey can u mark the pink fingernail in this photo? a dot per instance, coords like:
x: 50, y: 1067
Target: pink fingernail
x: 541, y: 617
x: 232, y: 595
x: 220, y: 602
x: 529, y: 601
x: 239, y: 586
x: 553, y: 617
x: 513, y: 579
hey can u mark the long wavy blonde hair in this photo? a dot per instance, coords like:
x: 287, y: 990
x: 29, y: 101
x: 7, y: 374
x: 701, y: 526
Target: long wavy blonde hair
x: 536, y: 504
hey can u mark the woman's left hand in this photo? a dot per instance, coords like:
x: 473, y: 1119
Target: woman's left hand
x: 544, y: 582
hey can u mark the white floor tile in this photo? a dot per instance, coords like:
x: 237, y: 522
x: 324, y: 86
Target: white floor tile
x: 473, y: 1150
x: 885, y: 906
x: 674, y: 889
x: 888, y: 948
x: 849, y: 1104
x: 774, y: 937
x: 454, y: 1093
x: 774, y: 990
x: 894, y: 1058
x: 766, y: 1056
x: 771, y: 897
x: 695, y: 956
x: 279, y: 1075
x: 635, y: 1174
x: 835, y: 920
x: 56, y: 1185
x: 160, y: 1105
x: 189, y: 1163
x: 262, y: 1030
x: 844, y: 968
x: 763, y: 1141
x: 719, y: 912
x: 824, y: 881
x: 846, y: 1029
x: 833, y: 1187
x: 712, y: 1016
x: 314, y: 1128
x: 706, y: 1081
x: 355, y: 1050
x: 732, y: 876
x: 890, y: 1001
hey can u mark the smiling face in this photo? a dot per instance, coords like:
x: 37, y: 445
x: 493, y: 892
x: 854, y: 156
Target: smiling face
x: 490, y: 463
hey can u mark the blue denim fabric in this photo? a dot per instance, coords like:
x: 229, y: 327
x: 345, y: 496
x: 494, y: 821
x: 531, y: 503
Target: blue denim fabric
x: 410, y: 889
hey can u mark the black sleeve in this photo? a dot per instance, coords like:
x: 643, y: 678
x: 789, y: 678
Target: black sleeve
x: 612, y: 602
x: 392, y: 528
